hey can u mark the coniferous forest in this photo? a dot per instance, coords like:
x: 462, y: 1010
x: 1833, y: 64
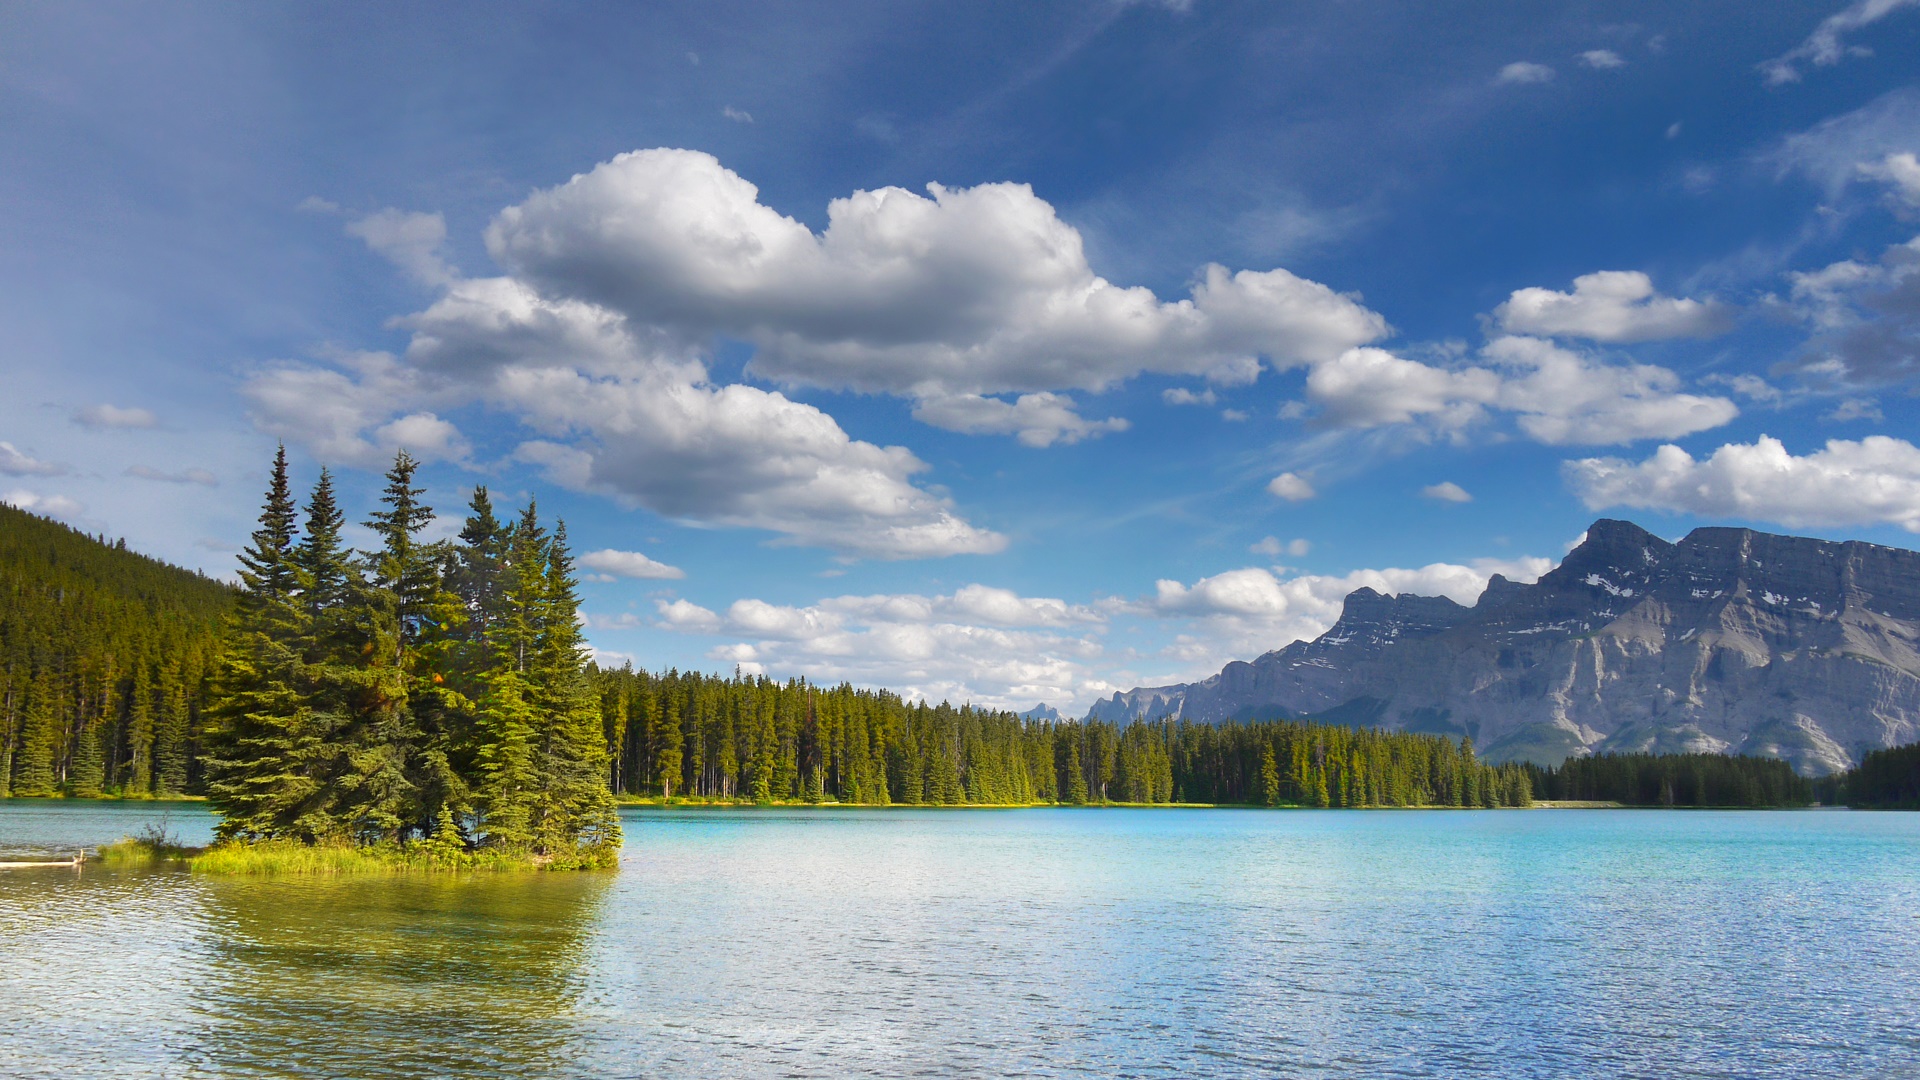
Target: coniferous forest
x: 428, y: 693
x: 103, y: 655
x: 1674, y: 780
x: 760, y: 740
x: 439, y: 693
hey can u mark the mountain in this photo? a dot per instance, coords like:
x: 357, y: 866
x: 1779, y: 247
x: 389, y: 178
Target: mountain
x: 1042, y: 711
x: 1729, y: 641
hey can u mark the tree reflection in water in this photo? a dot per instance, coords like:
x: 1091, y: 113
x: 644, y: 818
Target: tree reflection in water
x: 429, y: 975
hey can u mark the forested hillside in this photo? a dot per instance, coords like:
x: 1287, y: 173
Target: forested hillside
x: 103, y: 655
x: 691, y: 734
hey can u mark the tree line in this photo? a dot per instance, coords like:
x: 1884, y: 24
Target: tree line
x: 103, y: 654
x: 757, y: 739
x: 421, y: 692
x: 1884, y: 780
x: 1674, y: 780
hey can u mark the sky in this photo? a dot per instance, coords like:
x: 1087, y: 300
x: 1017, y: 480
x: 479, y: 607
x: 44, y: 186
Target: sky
x: 1003, y: 353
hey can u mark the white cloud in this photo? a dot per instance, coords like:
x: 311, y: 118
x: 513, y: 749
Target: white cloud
x: 1039, y: 420
x: 1866, y: 318
x: 1242, y: 613
x: 1446, y: 491
x: 1272, y: 547
x: 684, y: 615
x: 185, y: 476
x: 1832, y: 152
x: 414, y: 242
x: 1233, y: 415
x: 630, y: 564
x: 1825, y: 46
x: 1900, y: 172
x: 1558, y: 396
x: 58, y: 507
x: 1870, y: 482
x: 1855, y: 409
x: 16, y: 462
x: 339, y: 416
x: 1602, y: 59
x: 971, y: 291
x: 1614, y: 306
x: 1523, y: 72
x: 1290, y: 487
x: 1371, y: 387
x: 112, y: 416
x: 736, y: 455
x: 1180, y: 395
x: 1564, y: 398
x: 738, y: 116
x: 983, y: 644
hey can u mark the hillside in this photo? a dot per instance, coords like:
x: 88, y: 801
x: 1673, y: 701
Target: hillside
x: 1730, y: 641
x: 102, y: 656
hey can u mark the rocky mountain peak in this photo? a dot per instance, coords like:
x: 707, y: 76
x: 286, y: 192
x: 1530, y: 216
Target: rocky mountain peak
x: 1729, y: 640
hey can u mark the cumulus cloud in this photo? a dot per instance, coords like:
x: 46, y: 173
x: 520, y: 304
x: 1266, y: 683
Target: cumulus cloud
x: 1371, y: 387
x: 1523, y: 72
x: 346, y: 417
x: 1446, y: 491
x: 413, y: 241
x: 1557, y: 396
x: 1180, y: 395
x: 1241, y: 613
x: 969, y: 291
x: 58, y: 507
x: 1901, y: 174
x: 1038, y: 420
x: 981, y: 643
x: 185, y: 476
x: 1602, y: 59
x: 1272, y: 547
x: 1291, y: 487
x: 1873, y: 481
x: 16, y: 462
x: 112, y: 416
x: 630, y: 564
x: 1613, y: 306
x: 1865, y: 317
x: 1826, y: 46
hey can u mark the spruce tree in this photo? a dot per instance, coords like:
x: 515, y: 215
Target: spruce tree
x: 577, y: 808
x: 260, y: 753
x: 1270, y: 778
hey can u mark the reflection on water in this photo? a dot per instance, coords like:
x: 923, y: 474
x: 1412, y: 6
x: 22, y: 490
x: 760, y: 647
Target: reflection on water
x: 426, y: 975
x: 1091, y: 943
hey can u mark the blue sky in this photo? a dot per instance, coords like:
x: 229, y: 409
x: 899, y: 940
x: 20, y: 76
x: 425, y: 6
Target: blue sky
x: 1001, y: 353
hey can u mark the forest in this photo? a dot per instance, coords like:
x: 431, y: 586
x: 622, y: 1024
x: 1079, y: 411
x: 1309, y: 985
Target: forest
x: 422, y: 693
x: 1697, y: 780
x: 758, y: 740
x: 1884, y: 780
x: 103, y: 658
x: 440, y: 693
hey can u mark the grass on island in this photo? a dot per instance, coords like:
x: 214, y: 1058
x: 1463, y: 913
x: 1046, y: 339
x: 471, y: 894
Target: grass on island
x: 271, y: 858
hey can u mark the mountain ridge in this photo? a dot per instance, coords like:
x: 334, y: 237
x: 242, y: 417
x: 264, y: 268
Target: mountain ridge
x: 1731, y: 640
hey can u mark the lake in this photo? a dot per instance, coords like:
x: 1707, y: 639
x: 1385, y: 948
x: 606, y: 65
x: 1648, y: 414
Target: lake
x: 1152, y: 943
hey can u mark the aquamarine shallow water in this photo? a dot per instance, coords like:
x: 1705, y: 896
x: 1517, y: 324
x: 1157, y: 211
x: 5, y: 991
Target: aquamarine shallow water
x: 993, y: 943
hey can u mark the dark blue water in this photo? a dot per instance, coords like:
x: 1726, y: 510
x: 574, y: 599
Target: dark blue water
x: 996, y: 943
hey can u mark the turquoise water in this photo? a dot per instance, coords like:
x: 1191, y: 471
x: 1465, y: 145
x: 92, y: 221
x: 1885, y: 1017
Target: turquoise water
x: 1170, y: 943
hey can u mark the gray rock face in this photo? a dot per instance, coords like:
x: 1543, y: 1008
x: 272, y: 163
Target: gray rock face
x: 1731, y: 640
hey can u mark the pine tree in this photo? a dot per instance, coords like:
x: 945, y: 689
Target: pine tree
x: 577, y: 808
x: 260, y: 757
x: 1270, y: 778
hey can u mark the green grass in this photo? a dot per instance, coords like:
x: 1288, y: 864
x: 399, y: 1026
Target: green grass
x: 274, y: 858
